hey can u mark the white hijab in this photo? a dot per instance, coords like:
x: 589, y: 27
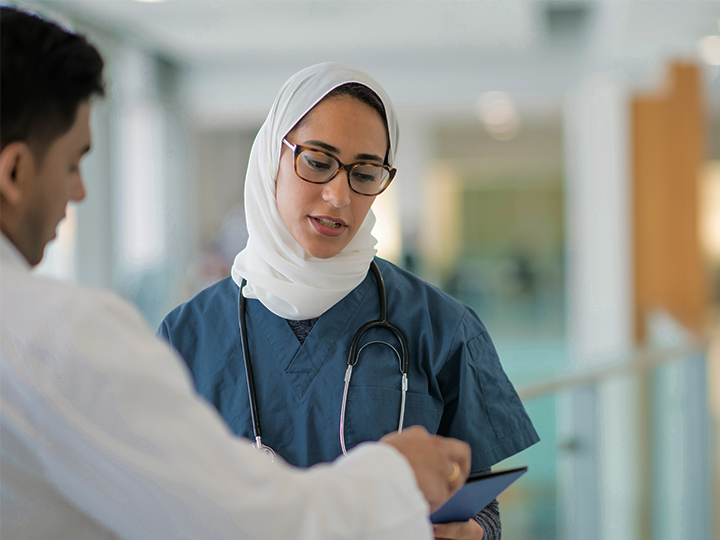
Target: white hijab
x: 279, y: 272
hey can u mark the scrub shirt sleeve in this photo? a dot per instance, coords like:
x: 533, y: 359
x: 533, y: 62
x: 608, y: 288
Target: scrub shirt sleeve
x: 481, y: 404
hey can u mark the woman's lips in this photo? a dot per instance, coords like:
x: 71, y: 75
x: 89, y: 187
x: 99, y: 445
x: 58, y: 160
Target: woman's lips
x: 328, y: 226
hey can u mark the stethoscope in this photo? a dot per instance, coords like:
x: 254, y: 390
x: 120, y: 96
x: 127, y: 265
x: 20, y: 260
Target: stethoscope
x: 353, y: 357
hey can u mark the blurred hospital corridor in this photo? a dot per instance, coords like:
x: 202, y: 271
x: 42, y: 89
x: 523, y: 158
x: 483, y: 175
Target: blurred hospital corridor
x: 558, y: 170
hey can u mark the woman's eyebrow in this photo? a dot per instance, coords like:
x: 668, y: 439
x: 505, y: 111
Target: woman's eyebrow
x: 368, y: 157
x: 325, y: 146
x: 334, y: 150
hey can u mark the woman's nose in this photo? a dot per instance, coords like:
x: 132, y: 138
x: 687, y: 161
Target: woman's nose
x: 337, y: 191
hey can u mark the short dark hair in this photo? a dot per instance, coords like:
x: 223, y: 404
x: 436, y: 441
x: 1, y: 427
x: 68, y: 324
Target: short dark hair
x: 45, y: 73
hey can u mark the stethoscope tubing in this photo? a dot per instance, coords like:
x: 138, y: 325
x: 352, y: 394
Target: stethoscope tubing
x: 249, y: 380
x: 353, y: 356
x: 348, y: 376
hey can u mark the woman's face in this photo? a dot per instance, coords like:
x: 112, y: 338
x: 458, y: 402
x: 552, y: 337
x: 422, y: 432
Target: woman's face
x: 324, y: 218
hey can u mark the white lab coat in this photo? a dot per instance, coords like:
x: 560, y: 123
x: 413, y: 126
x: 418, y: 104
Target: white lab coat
x: 102, y: 436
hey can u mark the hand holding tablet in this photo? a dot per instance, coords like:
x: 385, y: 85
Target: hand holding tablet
x: 476, y: 494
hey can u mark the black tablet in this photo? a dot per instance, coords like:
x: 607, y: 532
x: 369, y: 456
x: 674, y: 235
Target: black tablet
x: 476, y: 494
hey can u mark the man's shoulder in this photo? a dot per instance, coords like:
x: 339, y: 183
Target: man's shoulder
x: 29, y: 301
x: 62, y: 333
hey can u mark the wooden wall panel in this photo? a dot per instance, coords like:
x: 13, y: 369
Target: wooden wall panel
x: 667, y: 153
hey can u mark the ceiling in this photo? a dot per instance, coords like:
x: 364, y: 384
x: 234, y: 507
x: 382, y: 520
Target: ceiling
x: 432, y: 54
x: 226, y: 31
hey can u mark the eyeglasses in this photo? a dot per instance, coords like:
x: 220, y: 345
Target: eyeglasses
x: 318, y: 167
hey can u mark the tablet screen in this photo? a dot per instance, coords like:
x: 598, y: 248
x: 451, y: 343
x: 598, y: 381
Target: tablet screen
x: 476, y: 494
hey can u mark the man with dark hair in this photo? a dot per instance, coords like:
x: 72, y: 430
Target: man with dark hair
x: 48, y: 75
x: 101, y: 435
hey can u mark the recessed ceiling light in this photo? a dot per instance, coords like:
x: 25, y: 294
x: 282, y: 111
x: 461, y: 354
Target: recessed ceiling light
x: 497, y: 111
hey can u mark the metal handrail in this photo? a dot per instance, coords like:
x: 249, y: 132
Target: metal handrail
x: 633, y: 362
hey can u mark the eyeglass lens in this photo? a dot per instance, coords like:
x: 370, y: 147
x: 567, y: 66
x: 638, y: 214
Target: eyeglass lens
x: 318, y: 168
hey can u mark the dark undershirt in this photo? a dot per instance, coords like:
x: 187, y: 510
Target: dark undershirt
x: 301, y: 329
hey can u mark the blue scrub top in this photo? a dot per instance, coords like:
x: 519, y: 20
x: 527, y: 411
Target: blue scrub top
x: 456, y: 385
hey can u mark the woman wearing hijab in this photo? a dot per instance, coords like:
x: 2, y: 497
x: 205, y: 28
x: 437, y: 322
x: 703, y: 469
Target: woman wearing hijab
x: 305, y: 284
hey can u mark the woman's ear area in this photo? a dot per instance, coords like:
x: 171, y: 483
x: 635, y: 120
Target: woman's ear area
x: 17, y: 167
x: 281, y: 155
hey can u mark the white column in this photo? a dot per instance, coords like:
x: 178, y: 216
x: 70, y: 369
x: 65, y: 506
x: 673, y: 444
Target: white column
x: 153, y: 218
x: 598, y: 490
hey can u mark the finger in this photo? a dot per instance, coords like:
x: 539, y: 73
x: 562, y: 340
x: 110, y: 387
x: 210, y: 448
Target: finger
x: 428, y: 455
x: 459, y: 466
x: 459, y: 452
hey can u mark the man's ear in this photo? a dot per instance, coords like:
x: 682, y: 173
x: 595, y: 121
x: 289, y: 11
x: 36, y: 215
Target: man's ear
x: 17, y: 167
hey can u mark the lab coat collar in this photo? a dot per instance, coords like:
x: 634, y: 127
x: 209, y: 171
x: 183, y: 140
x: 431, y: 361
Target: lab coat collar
x: 11, y: 256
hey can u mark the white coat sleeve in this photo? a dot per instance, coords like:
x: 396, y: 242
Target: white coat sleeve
x: 113, y: 417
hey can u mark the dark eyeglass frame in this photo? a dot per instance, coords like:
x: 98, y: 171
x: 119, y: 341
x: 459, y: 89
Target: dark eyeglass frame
x: 299, y: 149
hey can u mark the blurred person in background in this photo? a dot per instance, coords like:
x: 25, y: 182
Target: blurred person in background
x: 101, y: 433
x: 271, y: 345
